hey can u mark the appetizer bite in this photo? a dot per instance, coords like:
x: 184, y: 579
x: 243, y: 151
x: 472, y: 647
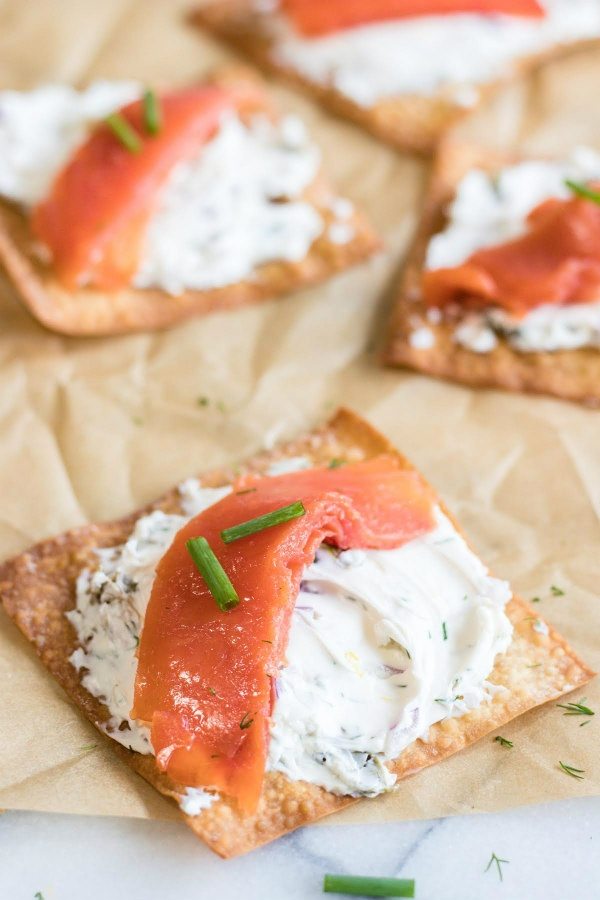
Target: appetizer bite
x: 269, y: 646
x: 403, y: 69
x: 123, y: 209
x: 502, y: 287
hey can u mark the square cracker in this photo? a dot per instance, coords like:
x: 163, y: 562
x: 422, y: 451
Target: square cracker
x: 569, y: 374
x: 38, y: 587
x: 407, y: 121
x: 90, y: 312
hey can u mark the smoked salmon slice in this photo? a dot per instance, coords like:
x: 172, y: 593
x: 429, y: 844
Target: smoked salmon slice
x: 205, y: 677
x: 316, y: 17
x: 557, y: 261
x: 93, y: 222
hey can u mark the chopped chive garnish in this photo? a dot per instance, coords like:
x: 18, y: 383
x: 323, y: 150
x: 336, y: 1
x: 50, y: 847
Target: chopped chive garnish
x: 202, y: 401
x: 576, y: 709
x: 87, y: 747
x: 581, y: 190
x: 152, y: 113
x: 496, y: 859
x: 504, y: 742
x: 213, y: 573
x: 124, y: 133
x: 246, y: 721
x: 369, y: 887
x: 535, y: 599
x: 572, y: 771
x: 277, y: 517
x: 556, y: 591
x: 444, y: 631
x: 335, y: 463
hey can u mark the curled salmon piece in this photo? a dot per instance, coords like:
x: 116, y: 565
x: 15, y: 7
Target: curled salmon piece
x: 557, y: 261
x: 94, y: 220
x: 205, y: 677
x: 314, y: 18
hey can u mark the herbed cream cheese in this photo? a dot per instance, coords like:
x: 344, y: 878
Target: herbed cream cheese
x: 234, y: 207
x: 427, y: 54
x: 489, y: 209
x: 383, y: 644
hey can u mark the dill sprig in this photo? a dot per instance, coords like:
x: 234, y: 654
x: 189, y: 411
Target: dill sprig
x: 572, y: 771
x: 499, y: 862
x: 576, y: 709
x: 246, y: 721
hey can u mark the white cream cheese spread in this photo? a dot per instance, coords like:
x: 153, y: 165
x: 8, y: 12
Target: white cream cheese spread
x: 491, y: 209
x: 427, y: 54
x: 40, y: 130
x: 234, y: 207
x: 383, y: 644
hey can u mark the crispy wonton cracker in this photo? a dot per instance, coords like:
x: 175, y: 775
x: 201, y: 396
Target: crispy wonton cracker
x: 407, y: 121
x: 38, y: 587
x: 569, y: 374
x: 89, y: 312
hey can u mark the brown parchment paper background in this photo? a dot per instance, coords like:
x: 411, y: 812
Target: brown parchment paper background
x: 90, y: 429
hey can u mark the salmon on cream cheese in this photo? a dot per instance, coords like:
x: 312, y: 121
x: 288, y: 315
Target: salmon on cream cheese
x: 360, y: 624
x: 518, y: 257
x: 369, y: 53
x: 203, y: 193
x: 314, y: 18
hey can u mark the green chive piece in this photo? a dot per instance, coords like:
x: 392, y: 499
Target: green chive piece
x: 368, y: 887
x: 213, y: 573
x: 556, y: 591
x: 444, y: 631
x: 277, y: 517
x: 152, y: 113
x: 572, y: 771
x: 581, y: 190
x: 124, y: 133
x: 335, y: 463
x: 504, y: 742
x: 246, y: 721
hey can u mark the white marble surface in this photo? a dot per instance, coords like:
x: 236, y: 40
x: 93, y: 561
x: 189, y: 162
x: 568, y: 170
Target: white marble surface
x: 553, y: 852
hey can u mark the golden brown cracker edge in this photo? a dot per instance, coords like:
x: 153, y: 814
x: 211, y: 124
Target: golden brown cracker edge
x: 37, y: 588
x: 91, y: 313
x: 408, y: 122
x: 567, y: 374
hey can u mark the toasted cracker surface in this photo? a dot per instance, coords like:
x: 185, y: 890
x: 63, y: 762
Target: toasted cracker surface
x: 569, y: 374
x: 408, y: 122
x: 89, y: 312
x: 38, y: 587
